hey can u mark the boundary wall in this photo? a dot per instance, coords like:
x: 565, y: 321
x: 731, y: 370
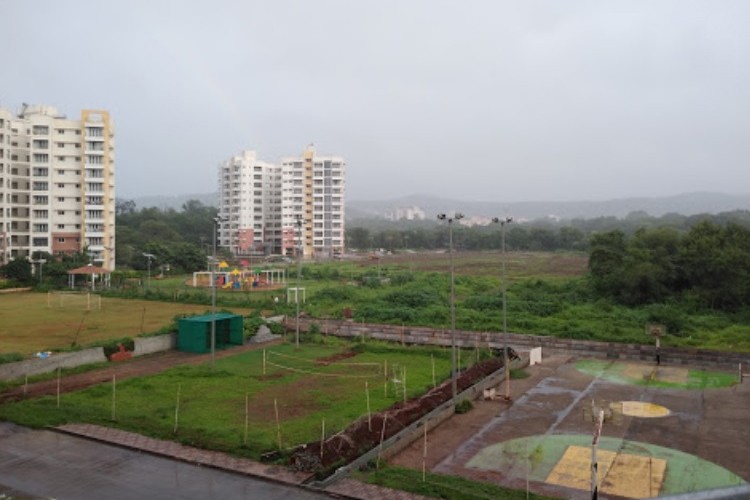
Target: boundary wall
x: 36, y: 366
x: 10, y: 371
x: 588, y: 348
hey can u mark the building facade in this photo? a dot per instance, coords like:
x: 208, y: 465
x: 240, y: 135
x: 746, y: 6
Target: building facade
x: 283, y: 210
x: 250, y: 204
x: 57, y: 184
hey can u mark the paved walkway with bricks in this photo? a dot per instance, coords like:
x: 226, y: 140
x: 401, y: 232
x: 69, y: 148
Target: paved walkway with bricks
x: 345, y: 488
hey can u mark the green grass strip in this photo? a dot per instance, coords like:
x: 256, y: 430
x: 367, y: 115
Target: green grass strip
x: 442, y: 485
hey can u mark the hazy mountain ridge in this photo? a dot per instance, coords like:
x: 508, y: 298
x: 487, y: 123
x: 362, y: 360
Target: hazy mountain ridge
x: 685, y: 204
x: 174, y: 201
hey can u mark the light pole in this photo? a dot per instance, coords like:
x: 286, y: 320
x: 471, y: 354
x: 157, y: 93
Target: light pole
x: 456, y: 216
x: 41, y: 262
x: 503, y: 222
x: 149, y: 257
x: 299, y: 275
x: 217, y: 222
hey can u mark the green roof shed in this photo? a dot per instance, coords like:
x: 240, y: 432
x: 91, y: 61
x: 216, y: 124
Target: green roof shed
x: 194, y: 333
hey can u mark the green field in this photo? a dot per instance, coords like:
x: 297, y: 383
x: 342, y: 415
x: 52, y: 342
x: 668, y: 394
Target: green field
x: 212, y: 403
x: 31, y: 323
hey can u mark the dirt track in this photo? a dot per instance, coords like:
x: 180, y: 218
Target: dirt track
x: 136, y: 367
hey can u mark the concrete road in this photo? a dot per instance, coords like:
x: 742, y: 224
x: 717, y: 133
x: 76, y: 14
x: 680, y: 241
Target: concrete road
x: 45, y: 464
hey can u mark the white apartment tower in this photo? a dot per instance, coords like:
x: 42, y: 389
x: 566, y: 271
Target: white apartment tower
x: 313, y: 189
x: 57, y: 184
x: 261, y: 205
x: 250, y: 204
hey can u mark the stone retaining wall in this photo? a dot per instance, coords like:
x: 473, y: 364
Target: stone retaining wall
x: 36, y: 366
x: 588, y: 348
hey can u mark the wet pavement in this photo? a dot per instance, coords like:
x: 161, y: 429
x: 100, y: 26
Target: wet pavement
x: 46, y: 464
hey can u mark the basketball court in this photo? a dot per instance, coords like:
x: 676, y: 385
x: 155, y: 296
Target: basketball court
x: 666, y: 430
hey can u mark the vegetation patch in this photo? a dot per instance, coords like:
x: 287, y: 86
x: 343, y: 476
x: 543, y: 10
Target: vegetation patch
x: 442, y: 485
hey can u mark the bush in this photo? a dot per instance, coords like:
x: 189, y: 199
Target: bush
x: 669, y: 316
x: 10, y: 357
x: 251, y: 324
x: 277, y: 328
x: 464, y: 406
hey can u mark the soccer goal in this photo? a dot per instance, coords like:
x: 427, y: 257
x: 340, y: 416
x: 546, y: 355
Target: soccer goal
x: 74, y: 300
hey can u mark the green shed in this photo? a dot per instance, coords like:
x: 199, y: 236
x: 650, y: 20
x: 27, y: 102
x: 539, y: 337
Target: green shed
x: 194, y: 334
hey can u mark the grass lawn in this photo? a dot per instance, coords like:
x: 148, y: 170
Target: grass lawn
x: 29, y: 324
x: 212, y: 402
x: 442, y: 486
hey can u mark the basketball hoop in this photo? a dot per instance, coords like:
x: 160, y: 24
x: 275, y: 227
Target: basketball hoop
x: 610, y: 412
x: 656, y: 330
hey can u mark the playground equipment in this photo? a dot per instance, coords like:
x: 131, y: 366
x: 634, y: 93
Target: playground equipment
x: 241, y: 279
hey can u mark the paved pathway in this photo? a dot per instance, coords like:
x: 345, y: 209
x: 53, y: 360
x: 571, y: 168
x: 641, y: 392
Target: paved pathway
x: 349, y: 488
x: 40, y: 464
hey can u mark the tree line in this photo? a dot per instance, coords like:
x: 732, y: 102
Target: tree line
x: 709, y: 266
x: 537, y: 235
x: 635, y: 259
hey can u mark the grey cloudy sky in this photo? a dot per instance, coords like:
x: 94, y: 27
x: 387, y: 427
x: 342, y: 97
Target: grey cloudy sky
x: 482, y: 100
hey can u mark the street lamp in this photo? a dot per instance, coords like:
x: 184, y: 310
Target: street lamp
x: 456, y: 216
x: 502, y: 223
x: 218, y: 220
x: 299, y: 275
x: 150, y: 257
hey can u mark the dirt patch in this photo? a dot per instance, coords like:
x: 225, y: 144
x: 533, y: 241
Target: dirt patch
x: 295, y: 399
x: 336, y: 357
x: 362, y: 436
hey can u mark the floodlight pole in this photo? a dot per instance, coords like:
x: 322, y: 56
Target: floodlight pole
x: 217, y: 221
x: 506, y: 361
x: 149, y: 257
x: 454, y: 373
x: 299, y: 276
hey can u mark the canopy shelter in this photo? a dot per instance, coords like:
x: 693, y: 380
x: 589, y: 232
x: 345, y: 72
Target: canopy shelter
x: 194, y: 333
x: 92, y: 273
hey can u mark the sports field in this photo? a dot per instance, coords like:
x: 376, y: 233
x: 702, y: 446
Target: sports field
x: 32, y: 322
x: 667, y: 430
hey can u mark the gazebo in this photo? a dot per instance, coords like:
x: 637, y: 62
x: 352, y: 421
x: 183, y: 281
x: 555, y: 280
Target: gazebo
x: 95, y: 272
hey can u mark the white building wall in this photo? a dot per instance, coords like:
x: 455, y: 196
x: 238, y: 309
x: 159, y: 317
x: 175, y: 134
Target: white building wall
x: 59, y: 184
x: 246, y: 188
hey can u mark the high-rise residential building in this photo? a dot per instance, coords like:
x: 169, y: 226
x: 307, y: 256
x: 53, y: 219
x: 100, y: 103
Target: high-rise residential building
x: 250, y: 204
x: 57, y: 184
x: 313, y: 189
x: 262, y: 204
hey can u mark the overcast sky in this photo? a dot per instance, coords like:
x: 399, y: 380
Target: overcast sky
x: 474, y: 100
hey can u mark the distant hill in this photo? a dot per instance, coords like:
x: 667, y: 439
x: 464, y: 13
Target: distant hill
x: 685, y: 204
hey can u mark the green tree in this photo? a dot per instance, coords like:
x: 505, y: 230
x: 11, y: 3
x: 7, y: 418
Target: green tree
x: 606, y: 260
x: 19, y: 271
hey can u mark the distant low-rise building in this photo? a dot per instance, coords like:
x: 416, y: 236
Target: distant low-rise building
x: 406, y: 213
